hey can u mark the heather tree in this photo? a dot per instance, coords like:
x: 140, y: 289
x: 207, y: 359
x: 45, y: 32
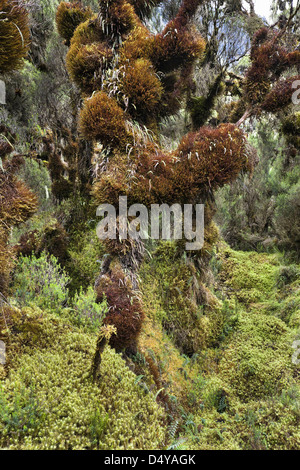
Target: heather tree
x: 17, y: 202
x: 130, y: 79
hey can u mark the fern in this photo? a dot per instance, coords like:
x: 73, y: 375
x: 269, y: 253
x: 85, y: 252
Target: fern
x: 173, y: 429
x: 177, y: 445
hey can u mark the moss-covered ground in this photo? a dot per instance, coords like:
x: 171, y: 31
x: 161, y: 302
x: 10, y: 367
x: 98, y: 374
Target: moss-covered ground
x: 214, y: 367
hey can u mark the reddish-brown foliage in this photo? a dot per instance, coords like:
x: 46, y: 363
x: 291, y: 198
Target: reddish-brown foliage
x: 270, y: 59
x: 17, y: 204
x: 280, y: 96
x: 5, y: 148
x: 125, y: 311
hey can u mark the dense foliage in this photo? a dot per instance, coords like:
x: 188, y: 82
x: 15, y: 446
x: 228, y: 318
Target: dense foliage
x: 125, y: 344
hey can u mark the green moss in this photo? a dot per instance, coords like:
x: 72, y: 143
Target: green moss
x: 271, y: 424
x: 113, y: 413
x: 202, y: 106
x: 258, y: 361
x: 176, y: 297
x: 249, y: 276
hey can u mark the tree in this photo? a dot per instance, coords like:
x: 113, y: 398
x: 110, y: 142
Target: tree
x: 130, y: 79
x: 17, y: 202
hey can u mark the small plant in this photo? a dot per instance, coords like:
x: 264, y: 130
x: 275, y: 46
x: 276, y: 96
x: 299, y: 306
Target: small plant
x: 287, y: 275
x: 42, y: 281
x: 87, y: 311
x: 37, y: 178
x: 98, y: 426
x: 20, y: 415
x: 105, y: 334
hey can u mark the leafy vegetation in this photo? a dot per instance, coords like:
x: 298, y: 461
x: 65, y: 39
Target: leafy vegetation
x: 131, y: 344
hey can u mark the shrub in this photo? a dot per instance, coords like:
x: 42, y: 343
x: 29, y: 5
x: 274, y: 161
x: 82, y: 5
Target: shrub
x: 291, y: 129
x: 51, y: 238
x: 40, y: 280
x: 86, y: 310
x: 37, y: 178
x: 288, y: 274
x: 85, y: 253
x: 21, y: 414
x: 287, y: 219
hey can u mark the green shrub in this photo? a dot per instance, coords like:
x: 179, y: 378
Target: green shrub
x: 42, y: 281
x: 20, y: 415
x: 86, y: 310
x: 288, y: 275
x: 99, y: 422
x: 85, y: 252
x: 36, y: 176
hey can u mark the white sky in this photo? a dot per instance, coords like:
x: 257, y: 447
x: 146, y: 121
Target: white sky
x: 263, y: 8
